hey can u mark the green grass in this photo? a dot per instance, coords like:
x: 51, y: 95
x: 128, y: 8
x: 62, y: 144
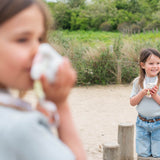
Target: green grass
x: 95, y: 39
x: 149, y: 36
x: 89, y: 38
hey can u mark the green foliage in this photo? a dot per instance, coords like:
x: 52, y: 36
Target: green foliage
x: 62, y: 15
x: 123, y: 26
x: 133, y: 6
x: 153, y: 4
x: 73, y: 22
x: 121, y: 4
x: 82, y: 21
x: 95, y: 55
x: 75, y: 3
x: 105, y: 26
x: 78, y: 14
x: 90, y: 39
x: 130, y: 70
x: 123, y: 16
x: 135, y: 28
x: 100, y: 70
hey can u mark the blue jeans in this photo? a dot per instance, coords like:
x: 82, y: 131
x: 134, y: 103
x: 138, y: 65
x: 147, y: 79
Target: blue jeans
x: 148, y: 138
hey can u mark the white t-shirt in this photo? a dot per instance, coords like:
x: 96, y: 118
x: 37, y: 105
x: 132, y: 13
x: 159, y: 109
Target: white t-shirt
x: 147, y: 107
x: 27, y: 136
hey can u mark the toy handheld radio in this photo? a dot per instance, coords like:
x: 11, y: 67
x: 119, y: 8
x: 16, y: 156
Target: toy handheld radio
x: 46, y: 62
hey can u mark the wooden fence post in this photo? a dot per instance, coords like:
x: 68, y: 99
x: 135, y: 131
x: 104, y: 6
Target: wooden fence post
x: 111, y: 151
x: 126, y: 141
x: 119, y: 79
x: 144, y: 31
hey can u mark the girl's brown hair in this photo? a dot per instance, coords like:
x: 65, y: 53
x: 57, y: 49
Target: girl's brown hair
x: 144, y: 55
x: 9, y: 8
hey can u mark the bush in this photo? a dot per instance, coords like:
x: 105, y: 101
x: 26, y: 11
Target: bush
x: 62, y: 16
x: 73, y: 22
x: 105, y: 27
x: 142, y: 23
x: 123, y: 27
x: 130, y: 70
x: 83, y: 21
x: 101, y: 70
x: 135, y: 28
x: 155, y: 24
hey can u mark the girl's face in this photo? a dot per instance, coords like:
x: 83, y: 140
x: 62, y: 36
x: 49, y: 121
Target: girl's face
x: 151, y: 66
x: 20, y: 37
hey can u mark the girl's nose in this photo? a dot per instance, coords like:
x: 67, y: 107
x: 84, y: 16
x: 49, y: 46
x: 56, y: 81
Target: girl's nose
x: 35, y: 46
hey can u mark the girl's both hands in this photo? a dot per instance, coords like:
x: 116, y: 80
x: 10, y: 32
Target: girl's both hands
x: 64, y: 81
x: 152, y: 91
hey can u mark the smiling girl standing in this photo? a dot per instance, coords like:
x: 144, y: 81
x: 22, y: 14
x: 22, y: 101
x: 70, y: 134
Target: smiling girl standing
x: 146, y: 95
x: 26, y: 134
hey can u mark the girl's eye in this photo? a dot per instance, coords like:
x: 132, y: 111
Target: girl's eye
x: 22, y: 40
x: 150, y: 63
x: 40, y: 39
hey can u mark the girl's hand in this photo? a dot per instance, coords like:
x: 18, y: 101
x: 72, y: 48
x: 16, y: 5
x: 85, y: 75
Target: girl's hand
x: 144, y: 91
x: 154, y: 90
x: 64, y: 81
x: 135, y: 100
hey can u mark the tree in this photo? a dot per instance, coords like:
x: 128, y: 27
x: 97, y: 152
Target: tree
x: 133, y: 6
x: 61, y: 14
x: 76, y: 3
x: 153, y: 4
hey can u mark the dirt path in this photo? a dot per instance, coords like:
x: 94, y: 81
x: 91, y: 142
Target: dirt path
x: 97, y: 111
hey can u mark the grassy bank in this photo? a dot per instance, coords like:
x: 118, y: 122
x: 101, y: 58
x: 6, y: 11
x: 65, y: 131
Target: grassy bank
x: 103, y: 57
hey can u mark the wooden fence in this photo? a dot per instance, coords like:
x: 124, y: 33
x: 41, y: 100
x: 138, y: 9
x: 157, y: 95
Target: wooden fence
x: 131, y: 31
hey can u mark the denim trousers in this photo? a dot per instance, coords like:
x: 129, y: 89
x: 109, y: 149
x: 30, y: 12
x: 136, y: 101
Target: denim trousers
x: 148, y: 138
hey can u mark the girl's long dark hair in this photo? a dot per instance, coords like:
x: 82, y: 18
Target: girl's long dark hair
x: 144, y: 55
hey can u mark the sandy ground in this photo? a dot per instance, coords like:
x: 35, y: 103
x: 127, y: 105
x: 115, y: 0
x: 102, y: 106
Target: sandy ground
x: 97, y: 111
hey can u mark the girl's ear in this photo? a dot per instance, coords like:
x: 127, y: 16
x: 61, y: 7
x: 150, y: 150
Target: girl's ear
x: 142, y: 65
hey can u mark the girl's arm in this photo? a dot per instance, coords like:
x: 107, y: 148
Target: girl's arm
x: 135, y: 100
x: 58, y: 93
x: 67, y: 130
x: 154, y: 94
x: 68, y: 134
